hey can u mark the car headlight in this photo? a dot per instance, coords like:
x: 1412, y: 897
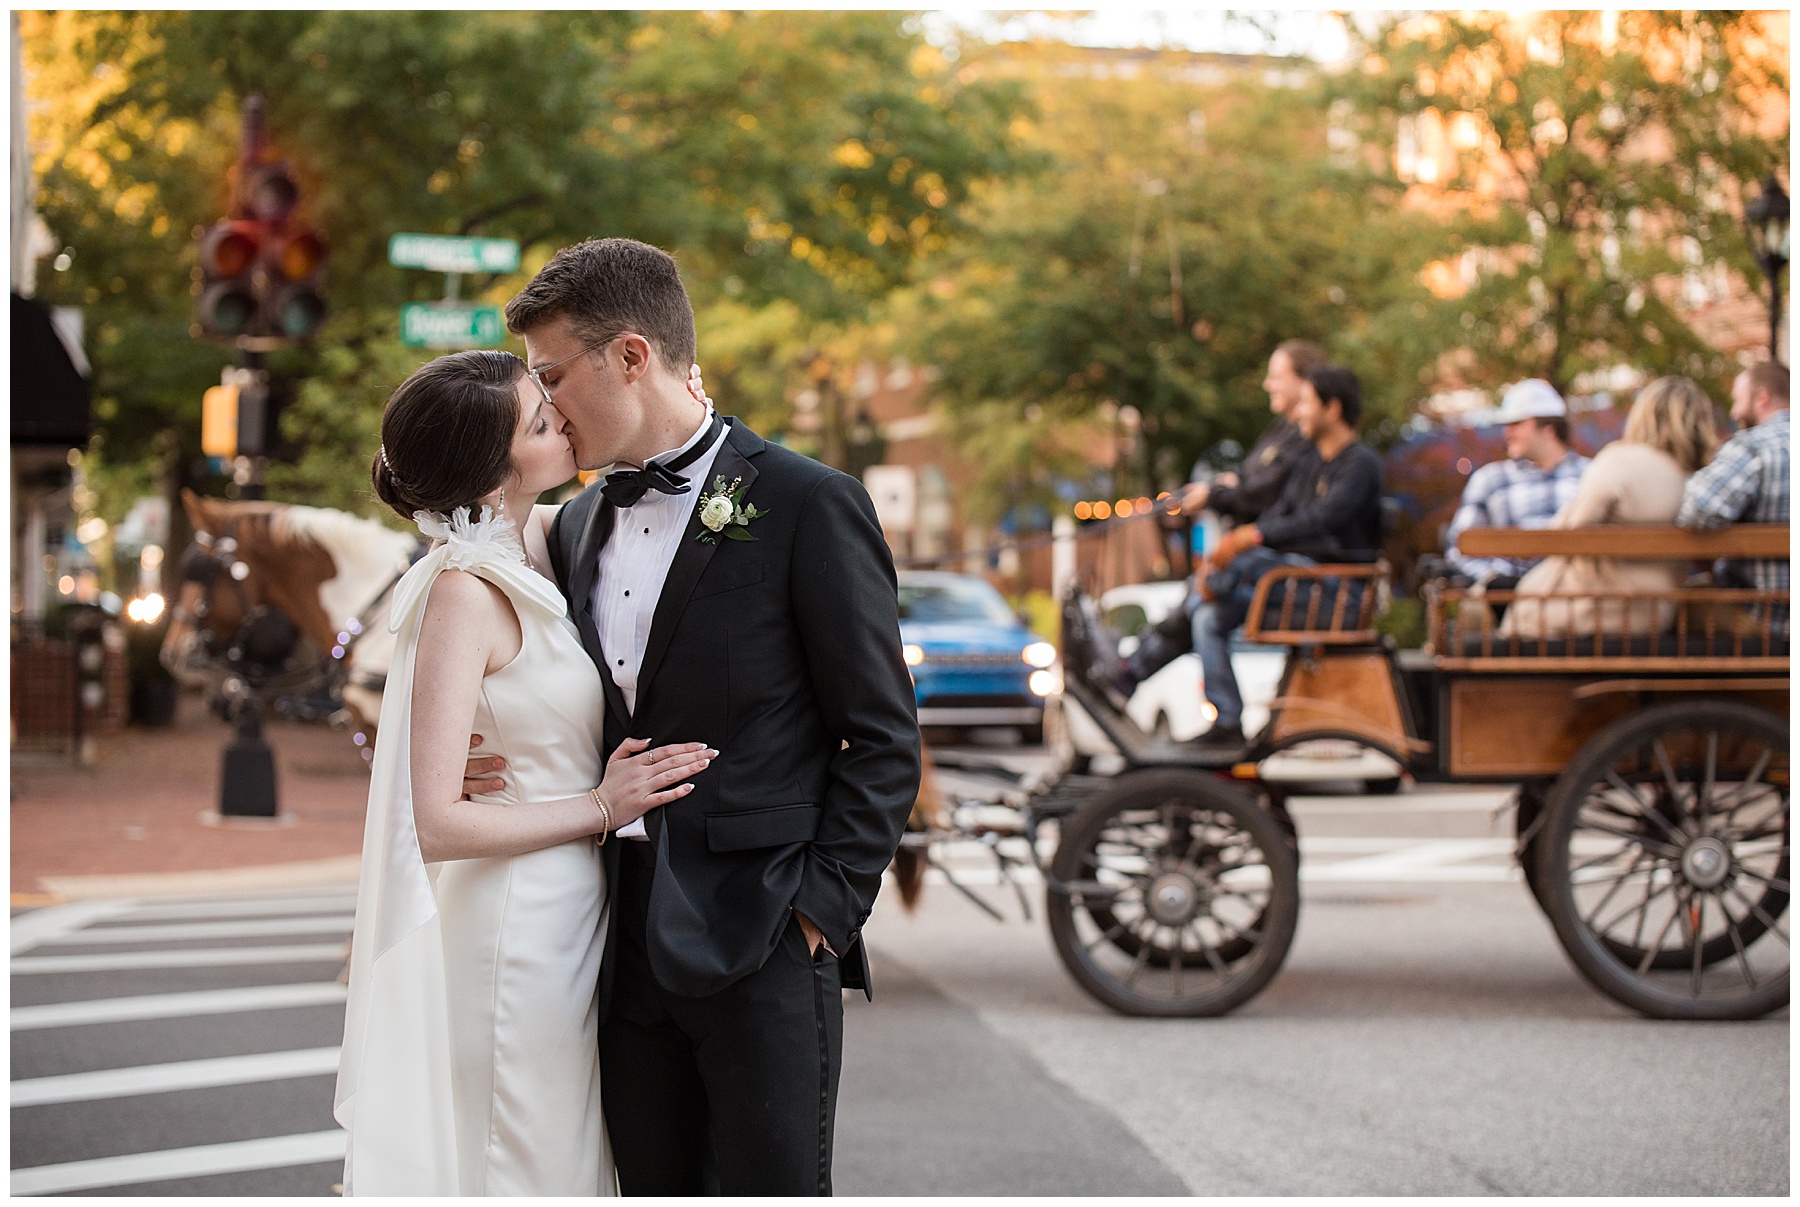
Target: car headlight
x: 914, y: 655
x: 1039, y: 654
x: 1044, y: 683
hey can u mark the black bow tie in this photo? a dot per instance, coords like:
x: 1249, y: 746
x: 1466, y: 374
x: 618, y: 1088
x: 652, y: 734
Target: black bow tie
x: 626, y: 487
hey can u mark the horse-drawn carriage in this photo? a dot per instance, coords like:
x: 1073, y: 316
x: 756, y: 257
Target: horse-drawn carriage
x: 1651, y: 762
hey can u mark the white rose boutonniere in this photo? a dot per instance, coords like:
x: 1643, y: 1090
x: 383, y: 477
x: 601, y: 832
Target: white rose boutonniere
x: 723, y: 511
x: 717, y: 513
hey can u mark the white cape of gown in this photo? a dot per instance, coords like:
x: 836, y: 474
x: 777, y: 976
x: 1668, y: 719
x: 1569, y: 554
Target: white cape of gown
x: 394, y: 1091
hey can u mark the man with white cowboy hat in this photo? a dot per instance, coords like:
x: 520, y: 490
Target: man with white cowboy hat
x: 1537, y: 479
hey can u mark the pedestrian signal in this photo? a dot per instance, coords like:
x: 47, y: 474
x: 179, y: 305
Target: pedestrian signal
x: 219, y: 422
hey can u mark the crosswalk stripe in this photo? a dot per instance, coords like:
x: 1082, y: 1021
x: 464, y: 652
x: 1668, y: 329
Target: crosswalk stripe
x: 176, y: 1005
x: 337, y: 903
x: 275, y: 1152
x: 180, y: 1075
x: 194, y: 957
x: 249, y: 929
x: 1432, y: 860
x: 48, y: 925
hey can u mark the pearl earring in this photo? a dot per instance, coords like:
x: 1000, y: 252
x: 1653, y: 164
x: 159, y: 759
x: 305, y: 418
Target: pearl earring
x: 502, y: 508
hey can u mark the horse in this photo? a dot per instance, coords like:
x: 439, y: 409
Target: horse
x: 261, y: 576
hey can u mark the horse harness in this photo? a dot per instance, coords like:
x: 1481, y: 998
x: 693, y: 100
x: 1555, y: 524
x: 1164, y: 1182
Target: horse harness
x: 266, y: 637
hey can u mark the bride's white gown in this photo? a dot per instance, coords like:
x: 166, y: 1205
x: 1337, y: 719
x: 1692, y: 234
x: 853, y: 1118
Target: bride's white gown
x: 470, y: 1063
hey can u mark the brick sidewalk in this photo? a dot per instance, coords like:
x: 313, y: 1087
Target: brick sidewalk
x: 139, y: 809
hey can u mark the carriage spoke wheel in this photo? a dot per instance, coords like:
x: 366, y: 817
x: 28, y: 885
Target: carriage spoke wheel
x: 1174, y: 894
x: 1664, y: 861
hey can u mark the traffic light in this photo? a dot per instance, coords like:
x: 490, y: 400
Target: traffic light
x: 261, y: 269
x: 229, y: 252
x: 295, y: 306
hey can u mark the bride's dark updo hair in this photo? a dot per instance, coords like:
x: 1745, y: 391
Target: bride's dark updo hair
x: 447, y: 433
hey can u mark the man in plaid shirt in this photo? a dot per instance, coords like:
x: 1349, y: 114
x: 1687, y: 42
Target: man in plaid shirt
x: 1747, y: 480
x: 1527, y: 489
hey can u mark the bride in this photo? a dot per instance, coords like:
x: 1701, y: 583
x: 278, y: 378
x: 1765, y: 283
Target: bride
x: 470, y: 1064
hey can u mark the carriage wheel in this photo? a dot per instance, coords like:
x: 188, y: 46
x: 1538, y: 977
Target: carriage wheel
x: 1162, y: 955
x: 1174, y: 894
x: 1664, y: 862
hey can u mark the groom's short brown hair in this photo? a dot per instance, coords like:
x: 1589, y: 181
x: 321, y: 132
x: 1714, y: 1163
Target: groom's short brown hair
x: 609, y: 286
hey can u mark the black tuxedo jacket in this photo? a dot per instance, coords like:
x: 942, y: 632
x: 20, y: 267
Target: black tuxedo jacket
x: 782, y: 653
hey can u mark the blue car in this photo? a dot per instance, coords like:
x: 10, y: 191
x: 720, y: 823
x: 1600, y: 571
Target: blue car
x: 973, y: 662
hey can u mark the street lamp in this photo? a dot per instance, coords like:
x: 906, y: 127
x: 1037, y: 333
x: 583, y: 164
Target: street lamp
x: 1766, y: 223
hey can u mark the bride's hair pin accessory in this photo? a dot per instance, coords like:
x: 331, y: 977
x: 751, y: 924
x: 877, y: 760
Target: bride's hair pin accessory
x: 396, y: 479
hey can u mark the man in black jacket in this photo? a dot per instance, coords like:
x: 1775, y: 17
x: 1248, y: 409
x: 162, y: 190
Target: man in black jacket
x: 1329, y: 511
x: 735, y: 593
x: 1238, y: 496
x: 1242, y: 495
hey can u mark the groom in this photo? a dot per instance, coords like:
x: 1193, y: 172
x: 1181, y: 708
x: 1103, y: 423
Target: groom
x: 767, y: 626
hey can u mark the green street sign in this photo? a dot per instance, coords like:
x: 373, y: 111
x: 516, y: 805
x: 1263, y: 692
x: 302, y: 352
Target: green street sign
x: 453, y: 253
x: 441, y: 325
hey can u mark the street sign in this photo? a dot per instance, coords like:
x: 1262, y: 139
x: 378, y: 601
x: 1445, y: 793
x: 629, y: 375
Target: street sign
x: 440, y: 325
x: 452, y: 253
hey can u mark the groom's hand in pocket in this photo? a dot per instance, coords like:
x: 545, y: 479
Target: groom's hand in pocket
x: 482, y: 774
x: 815, y: 938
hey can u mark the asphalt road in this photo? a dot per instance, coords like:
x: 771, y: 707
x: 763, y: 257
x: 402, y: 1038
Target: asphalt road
x: 1426, y: 1036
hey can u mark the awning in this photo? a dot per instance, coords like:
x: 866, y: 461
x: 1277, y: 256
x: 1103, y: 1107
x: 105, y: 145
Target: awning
x: 49, y: 397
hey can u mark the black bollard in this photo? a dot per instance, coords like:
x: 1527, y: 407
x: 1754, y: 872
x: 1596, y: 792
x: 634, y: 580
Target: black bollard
x: 247, y: 780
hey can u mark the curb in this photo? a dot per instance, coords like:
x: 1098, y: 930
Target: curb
x: 315, y: 873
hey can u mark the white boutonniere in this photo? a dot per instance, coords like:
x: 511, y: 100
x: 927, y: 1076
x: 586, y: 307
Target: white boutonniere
x: 723, y: 511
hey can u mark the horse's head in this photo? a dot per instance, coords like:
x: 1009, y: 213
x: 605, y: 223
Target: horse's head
x: 245, y: 596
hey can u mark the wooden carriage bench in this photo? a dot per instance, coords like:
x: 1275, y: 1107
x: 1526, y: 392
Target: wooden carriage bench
x: 1707, y: 628
x: 1349, y: 680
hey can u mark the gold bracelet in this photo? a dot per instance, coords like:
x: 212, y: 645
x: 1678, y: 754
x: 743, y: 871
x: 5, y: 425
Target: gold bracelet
x: 605, y: 816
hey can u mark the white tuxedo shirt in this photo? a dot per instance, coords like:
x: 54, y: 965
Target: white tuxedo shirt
x: 633, y: 564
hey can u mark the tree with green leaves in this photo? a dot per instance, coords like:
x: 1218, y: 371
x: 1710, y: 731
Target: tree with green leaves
x: 796, y: 163
x: 1136, y: 288
x: 1586, y: 163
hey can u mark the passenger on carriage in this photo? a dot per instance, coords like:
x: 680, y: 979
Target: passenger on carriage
x: 1637, y: 479
x: 1329, y: 511
x: 1537, y: 479
x: 1747, y: 481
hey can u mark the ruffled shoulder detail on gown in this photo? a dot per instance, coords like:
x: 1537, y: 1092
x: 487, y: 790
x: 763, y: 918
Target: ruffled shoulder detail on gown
x: 488, y: 546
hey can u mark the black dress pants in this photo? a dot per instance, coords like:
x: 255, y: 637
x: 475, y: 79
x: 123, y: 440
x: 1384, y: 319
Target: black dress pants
x: 735, y: 1093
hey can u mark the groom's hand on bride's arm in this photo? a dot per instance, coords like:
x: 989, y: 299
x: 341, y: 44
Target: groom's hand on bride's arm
x: 481, y: 774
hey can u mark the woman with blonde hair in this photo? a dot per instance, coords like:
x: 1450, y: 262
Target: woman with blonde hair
x: 1637, y: 479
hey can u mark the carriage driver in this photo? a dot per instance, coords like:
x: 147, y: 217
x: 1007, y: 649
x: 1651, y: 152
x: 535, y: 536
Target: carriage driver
x: 1329, y: 511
